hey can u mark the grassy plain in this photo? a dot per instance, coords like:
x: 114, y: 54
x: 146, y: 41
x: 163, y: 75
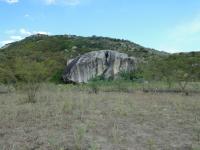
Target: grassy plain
x: 67, y: 117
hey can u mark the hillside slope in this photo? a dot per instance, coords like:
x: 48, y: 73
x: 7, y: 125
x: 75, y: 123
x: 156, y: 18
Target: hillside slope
x: 50, y: 53
x: 75, y: 45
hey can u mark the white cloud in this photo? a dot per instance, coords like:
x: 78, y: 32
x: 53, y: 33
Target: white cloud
x: 72, y: 2
x: 16, y: 35
x: 168, y: 47
x: 41, y: 32
x: 12, y: 31
x: 10, y: 1
x: 11, y: 39
x: 26, y: 15
x: 184, y: 36
x: 186, y: 30
x: 25, y: 32
x: 6, y: 42
x: 49, y: 2
x: 62, y: 2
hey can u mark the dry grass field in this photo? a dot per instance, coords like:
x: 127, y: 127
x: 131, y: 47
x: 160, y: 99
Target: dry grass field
x: 73, y: 119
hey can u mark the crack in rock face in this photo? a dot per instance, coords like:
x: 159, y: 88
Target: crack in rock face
x: 106, y: 63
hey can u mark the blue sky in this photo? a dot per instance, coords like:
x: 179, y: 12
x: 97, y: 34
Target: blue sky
x: 169, y: 25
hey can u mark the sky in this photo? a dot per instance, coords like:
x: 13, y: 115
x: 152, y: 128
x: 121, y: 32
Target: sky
x: 166, y: 25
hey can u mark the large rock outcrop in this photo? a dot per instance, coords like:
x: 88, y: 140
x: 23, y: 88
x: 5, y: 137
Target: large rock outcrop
x: 106, y: 63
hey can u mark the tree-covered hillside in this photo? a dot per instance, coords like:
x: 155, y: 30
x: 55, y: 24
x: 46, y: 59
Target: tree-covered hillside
x: 76, y: 45
x: 43, y: 58
x: 46, y: 55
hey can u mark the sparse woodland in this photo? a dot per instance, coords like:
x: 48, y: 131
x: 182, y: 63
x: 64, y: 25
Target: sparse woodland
x: 156, y: 107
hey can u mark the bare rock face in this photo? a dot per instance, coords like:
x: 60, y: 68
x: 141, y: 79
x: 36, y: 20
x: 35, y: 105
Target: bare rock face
x: 106, y: 63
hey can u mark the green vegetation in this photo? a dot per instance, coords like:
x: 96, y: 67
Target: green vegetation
x: 173, y: 73
x: 133, y: 111
x: 178, y: 68
x: 46, y: 56
x: 41, y: 58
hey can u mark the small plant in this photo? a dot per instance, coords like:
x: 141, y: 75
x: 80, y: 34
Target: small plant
x: 76, y: 107
x: 31, y: 89
x: 121, y: 86
x: 79, y: 136
x: 115, y: 134
x: 94, y: 87
x: 120, y: 108
x: 198, y: 148
x: 93, y: 146
x: 197, y: 132
x: 151, y: 144
x: 81, y: 109
x: 131, y: 75
x: 195, y: 111
x: 68, y: 106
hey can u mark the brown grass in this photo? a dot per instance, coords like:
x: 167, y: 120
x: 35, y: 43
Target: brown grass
x: 68, y: 118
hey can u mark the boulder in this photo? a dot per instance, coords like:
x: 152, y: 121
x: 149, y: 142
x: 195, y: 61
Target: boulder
x: 106, y: 63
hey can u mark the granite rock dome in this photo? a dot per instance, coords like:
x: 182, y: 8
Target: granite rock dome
x: 106, y: 63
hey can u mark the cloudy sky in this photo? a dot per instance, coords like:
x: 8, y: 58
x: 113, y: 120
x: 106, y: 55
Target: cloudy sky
x: 169, y: 25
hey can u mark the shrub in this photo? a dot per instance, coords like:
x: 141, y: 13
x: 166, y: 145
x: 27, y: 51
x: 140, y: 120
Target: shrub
x: 68, y: 106
x: 79, y: 136
x: 56, y: 78
x: 32, y: 89
x: 136, y: 76
x: 94, y: 87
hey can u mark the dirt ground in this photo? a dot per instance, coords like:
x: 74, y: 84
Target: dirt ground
x: 66, y: 119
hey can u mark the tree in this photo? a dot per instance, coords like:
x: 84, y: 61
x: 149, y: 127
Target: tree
x: 30, y: 73
x: 181, y: 69
x: 160, y: 69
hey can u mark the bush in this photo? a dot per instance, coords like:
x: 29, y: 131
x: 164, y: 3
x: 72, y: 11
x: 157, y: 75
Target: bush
x: 31, y: 90
x: 136, y: 75
x: 94, y: 87
x: 56, y: 78
x: 79, y: 136
x: 97, y: 79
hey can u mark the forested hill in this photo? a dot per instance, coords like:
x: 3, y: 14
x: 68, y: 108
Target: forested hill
x: 46, y: 56
x: 72, y: 45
